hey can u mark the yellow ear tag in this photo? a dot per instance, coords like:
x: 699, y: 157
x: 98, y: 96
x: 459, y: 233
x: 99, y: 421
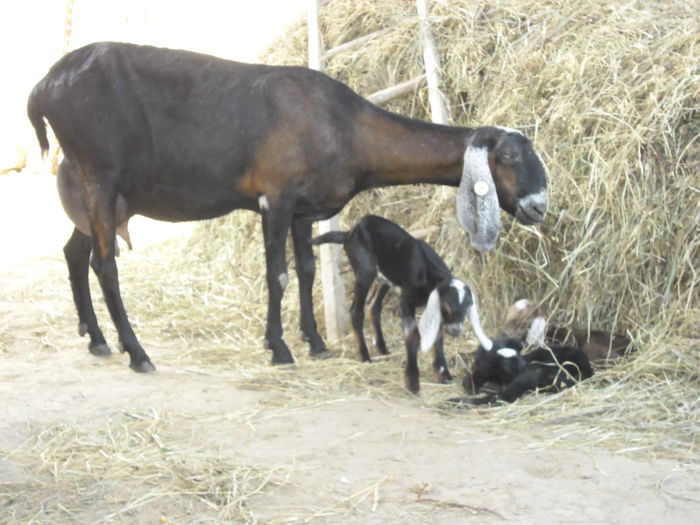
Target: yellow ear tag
x: 481, y: 188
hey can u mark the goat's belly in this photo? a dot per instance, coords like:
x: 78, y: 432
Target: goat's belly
x: 181, y: 207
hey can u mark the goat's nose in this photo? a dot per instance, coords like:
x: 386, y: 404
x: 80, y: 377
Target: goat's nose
x: 532, y: 208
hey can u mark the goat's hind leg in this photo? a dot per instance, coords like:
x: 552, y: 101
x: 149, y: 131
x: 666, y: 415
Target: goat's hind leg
x: 375, y: 312
x: 102, y: 224
x: 276, y: 222
x: 77, y: 253
x: 306, y: 269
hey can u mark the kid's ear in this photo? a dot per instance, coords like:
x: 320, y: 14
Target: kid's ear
x: 430, y: 322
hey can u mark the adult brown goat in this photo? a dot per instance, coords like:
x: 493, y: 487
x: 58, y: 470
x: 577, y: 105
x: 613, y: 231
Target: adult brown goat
x: 180, y: 136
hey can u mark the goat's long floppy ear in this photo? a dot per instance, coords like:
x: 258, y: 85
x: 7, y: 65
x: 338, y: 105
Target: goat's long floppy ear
x: 429, y: 325
x: 475, y: 321
x: 536, y: 332
x: 477, y: 201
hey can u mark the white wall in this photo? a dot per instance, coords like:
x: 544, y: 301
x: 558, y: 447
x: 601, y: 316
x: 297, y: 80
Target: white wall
x: 31, y: 39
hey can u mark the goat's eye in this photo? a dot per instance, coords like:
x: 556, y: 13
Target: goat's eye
x: 508, y: 156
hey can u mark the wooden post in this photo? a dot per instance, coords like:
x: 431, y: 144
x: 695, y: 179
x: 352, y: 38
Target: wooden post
x: 431, y: 59
x: 336, y: 316
x: 438, y: 106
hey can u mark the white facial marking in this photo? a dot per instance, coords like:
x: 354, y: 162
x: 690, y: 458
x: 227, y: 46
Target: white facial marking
x: 442, y: 369
x: 507, y: 352
x: 535, y: 200
x: 461, y: 288
x: 484, y: 341
x: 283, y: 279
x: 263, y: 203
x: 521, y: 304
x: 511, y: 130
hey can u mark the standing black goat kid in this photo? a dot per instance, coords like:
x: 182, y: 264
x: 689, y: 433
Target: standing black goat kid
x: 380, y: 250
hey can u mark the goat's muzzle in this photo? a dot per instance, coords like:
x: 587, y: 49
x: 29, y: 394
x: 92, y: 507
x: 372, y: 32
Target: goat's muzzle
x: 532, y: 208
x: 454, y: 329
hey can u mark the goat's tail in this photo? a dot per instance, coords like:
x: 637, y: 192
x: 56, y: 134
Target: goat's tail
x: 332, y: 237
x: 36, y: 117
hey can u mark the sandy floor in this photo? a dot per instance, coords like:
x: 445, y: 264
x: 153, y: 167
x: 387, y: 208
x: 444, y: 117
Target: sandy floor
x: 354, y: 460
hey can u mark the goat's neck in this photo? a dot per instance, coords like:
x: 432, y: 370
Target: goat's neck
x: 399, y: 150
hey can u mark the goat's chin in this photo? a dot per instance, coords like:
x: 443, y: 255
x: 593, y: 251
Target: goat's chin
x: 454, y: 329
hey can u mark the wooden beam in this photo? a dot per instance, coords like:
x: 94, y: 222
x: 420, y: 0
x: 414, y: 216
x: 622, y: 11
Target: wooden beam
x: 354, y: 43
x: 385, y: 95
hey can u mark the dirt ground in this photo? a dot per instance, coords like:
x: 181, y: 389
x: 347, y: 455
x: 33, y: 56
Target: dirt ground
x: 352, y: 459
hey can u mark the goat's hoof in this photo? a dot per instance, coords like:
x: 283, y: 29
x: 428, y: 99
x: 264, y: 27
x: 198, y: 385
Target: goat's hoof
x: 82, y: 329
x: 100, y: 349
x: 413, y: 386
x: 444, y: 377
x: 276, y: 360
x: 144, y: 367
x: 324, y: 354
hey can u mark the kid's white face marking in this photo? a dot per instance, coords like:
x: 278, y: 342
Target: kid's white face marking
x: 507, y: 352
x: 511, y: 130
x: 521, y: 304
x: 263, y: 203
x: 461, y: 288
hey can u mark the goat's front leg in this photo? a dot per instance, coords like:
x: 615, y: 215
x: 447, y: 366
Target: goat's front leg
x: 77, y: 252
x: 105, y: 266
x: 439, y: 362
x: 375, y: 313
x: 276, y: 221
x: 412, y: 338
x: 306, y: 269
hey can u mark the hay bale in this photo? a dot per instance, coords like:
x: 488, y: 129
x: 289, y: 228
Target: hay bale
x: 609, y: 94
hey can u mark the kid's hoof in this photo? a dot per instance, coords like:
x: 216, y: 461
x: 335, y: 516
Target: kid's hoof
x: 444, y: 377
x: 144, y: 367
x: 82, y: 329
x: 100, y: 350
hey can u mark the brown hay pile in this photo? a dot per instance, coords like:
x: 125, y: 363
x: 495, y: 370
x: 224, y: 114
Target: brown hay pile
x: 609, y: 92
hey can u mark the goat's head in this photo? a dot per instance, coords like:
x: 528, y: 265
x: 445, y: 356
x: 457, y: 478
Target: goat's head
x: 499, y: 364
x: 526, y: 321
x: 447, y: 306
x: 501, y: 169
